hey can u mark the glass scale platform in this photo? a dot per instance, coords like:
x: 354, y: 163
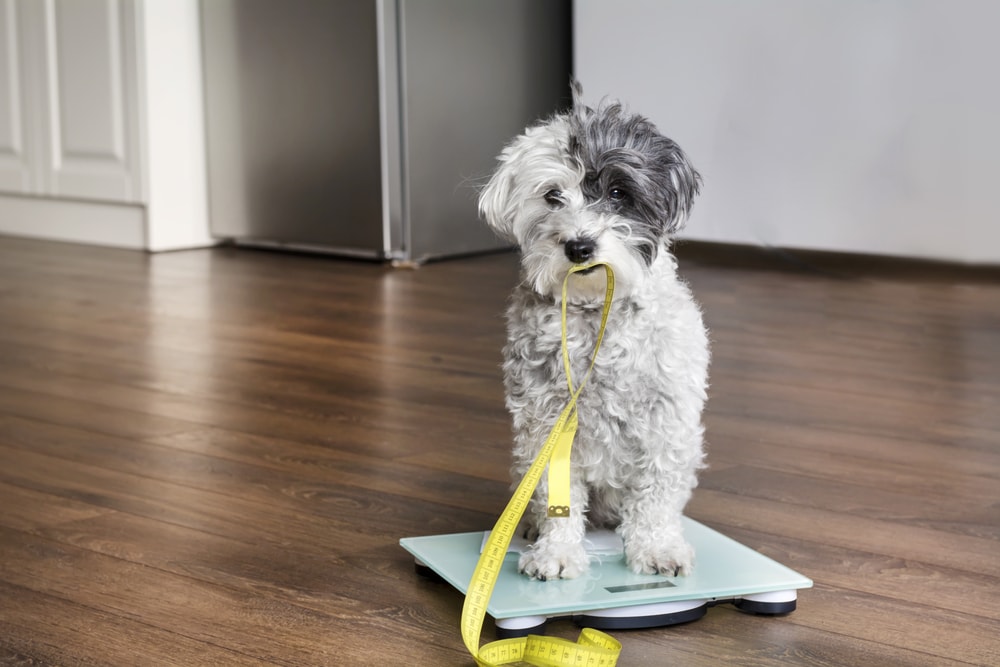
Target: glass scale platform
x: 611, y: 597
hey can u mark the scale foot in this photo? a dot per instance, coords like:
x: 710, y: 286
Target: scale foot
x: 770, y: 604
x: 520, y: 626
x: 426, y: 572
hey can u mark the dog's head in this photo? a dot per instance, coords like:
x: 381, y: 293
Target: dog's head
x: 586, y: 186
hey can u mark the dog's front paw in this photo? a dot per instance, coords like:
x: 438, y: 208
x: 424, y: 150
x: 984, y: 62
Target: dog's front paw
x: 673, y: 560
x: 545, y: 560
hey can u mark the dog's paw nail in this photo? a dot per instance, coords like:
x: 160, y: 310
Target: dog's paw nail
x: 675, y: 561
x: 554, y: 561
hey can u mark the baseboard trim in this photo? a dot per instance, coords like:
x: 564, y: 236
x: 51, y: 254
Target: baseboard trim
x: 74, y: 220
x: 832, y: 264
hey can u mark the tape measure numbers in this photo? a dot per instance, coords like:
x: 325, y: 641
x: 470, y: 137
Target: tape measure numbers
x: 593, y: 648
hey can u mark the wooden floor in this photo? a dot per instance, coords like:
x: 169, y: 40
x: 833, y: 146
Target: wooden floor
x: 209, y: 457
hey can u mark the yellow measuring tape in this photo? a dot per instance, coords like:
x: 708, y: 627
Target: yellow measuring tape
x: 593, y: 648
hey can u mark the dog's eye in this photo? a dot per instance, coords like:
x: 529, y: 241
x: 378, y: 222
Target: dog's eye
x: 554, y: 198
x: 617, y: 195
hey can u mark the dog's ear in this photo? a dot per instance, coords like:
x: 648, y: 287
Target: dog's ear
x: 495, y: 202
x: 681, y: 183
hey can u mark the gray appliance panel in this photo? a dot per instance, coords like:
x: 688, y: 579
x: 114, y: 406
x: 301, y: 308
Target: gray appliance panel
x: 473, y: 75
x: 367, y: 126
x: 292, y: 106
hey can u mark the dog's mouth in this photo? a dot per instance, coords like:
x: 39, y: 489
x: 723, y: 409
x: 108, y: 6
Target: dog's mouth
x: 587, y: 271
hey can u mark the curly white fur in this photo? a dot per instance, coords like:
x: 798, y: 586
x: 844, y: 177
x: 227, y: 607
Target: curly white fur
x: 608, y: 182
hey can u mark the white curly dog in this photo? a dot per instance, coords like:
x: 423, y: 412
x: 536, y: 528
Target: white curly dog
x: 603, y: 185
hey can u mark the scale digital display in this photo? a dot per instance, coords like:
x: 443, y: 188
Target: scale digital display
x: 639, y: 587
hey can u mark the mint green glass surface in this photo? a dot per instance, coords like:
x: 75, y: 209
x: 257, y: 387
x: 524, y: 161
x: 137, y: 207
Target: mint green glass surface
x: 724, y: 569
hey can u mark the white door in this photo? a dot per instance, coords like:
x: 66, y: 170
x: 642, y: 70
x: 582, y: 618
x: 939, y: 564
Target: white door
x: 15, y: 135
x: 90, y: 134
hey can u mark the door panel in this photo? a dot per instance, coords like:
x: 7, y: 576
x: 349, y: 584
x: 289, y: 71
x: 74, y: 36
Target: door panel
x: 91, y: 93
x: 15, y: 171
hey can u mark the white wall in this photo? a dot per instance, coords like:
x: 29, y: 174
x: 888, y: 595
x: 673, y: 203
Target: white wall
x: 176, y: 170
x: 848, y: 125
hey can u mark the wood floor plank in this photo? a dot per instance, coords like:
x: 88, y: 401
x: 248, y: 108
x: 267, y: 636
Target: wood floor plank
x: 831, y: 526
x: 966, y: 513
x: 922, y: 628
x: 45, y: 630
x: 896, y: 473
x: 359, y: 379
x: 196, y: 465
x: 271, y: 571
x: 951, y: 461
x: 126, y: 423
x: 250, y: 623
x: 728, y: 637
x: 201, y: 392
x: 29, y: 510
x: 883, y: 576
x: 387, y: 425
x: 323, y: 514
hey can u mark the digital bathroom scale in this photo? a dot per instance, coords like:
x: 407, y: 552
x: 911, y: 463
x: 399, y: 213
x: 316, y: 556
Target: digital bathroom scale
x: 609, y: 596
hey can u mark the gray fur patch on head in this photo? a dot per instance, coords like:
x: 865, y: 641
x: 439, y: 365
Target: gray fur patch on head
x: 632, y: 170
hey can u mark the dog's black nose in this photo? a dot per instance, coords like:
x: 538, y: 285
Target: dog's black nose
x: 580, y: 250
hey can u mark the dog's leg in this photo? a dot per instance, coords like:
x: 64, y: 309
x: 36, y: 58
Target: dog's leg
x: 558, y: 551
x: 652, y: 533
